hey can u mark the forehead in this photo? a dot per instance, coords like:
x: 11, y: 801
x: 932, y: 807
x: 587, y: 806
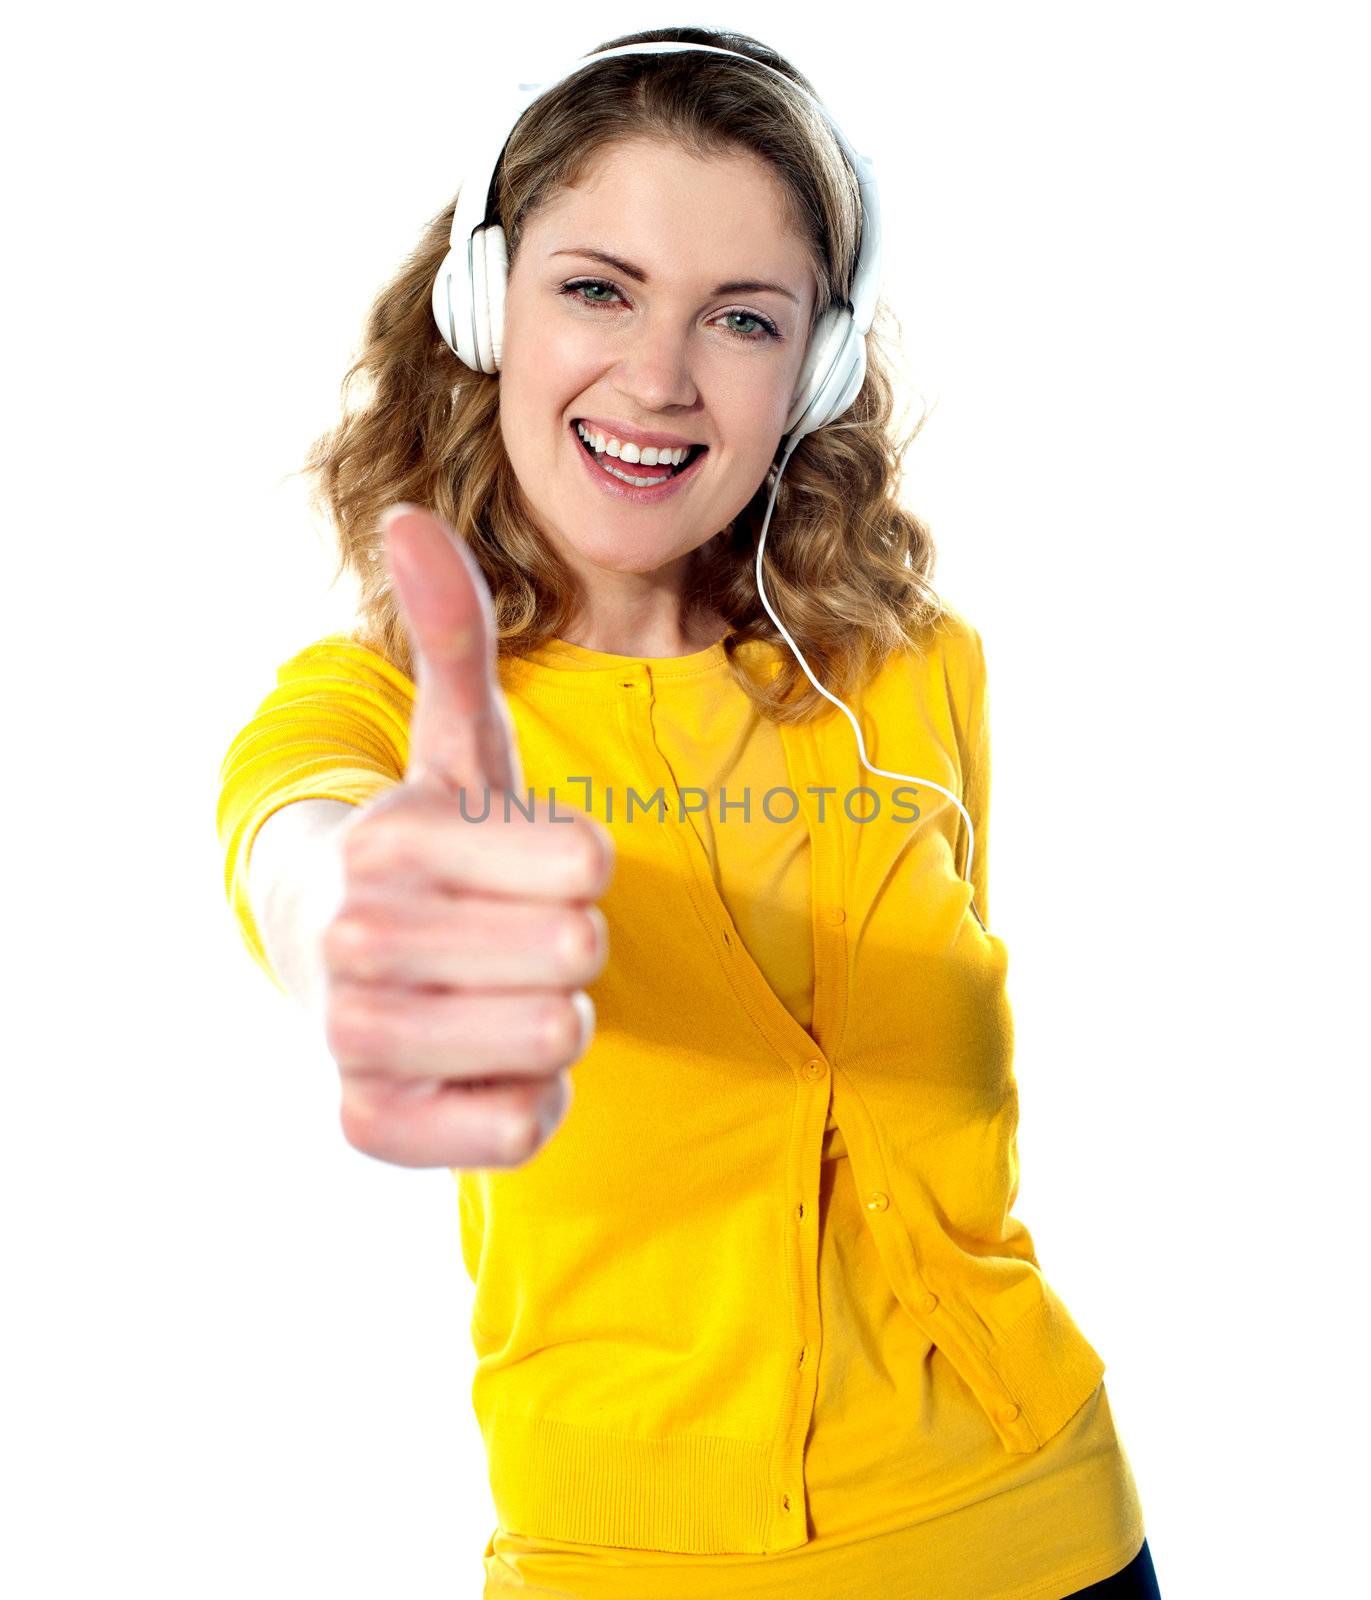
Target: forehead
x: 677, y: 213
x: 730, y: 162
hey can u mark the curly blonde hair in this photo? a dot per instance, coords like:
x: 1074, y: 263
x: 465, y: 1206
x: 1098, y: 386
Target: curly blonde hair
x: 846, y: 566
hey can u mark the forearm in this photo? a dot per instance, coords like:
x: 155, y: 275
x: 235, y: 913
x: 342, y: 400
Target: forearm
x: 295, y: 888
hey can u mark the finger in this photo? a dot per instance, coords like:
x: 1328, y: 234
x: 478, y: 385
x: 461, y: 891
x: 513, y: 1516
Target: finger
x: 417, y: 1033
x: 461, y: 733
x: 419, y: 838
x: 475, y: 942
x: 453, y: 1125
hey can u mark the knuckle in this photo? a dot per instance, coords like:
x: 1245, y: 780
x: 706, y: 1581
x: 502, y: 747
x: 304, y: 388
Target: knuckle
x: 558, y: 1031
x: 387, y: 843
x: 605, y: 854
x: 599, y: 954
x: 350, y: 942
x: 355, y: 1034
x: 520, y: 1139
x: 361, y: 846
x: 406, y: 848
x: 576, y: 943
x: 359, y: 1119
x: 588, y: 863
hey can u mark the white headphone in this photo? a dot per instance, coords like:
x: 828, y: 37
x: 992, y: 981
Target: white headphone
x: 469, y: 308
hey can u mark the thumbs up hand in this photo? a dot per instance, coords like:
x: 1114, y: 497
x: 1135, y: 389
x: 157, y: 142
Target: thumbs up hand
x: 455, y: 961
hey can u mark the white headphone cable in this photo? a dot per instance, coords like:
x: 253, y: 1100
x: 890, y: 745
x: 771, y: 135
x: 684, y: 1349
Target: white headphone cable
x: 833, y: 699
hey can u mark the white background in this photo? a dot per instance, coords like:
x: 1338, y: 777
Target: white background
x: 1127, y: 248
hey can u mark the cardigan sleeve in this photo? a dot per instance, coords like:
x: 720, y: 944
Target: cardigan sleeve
x: 334, y: 728
x: 976, y: 777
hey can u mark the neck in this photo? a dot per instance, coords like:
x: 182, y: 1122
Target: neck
x: 667, y: 637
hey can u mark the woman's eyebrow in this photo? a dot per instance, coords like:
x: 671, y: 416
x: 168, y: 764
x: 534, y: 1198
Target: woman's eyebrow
x: 734, y: 286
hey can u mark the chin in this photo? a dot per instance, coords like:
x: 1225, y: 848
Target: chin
x: 642, y: 550
x: 610, y: 555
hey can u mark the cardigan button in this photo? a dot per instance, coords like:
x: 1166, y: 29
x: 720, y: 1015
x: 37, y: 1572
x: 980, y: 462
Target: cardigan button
x: 814, y: 1068
x: 878, y: 1201
x: 835, y: 916
x: 1009, y: 1413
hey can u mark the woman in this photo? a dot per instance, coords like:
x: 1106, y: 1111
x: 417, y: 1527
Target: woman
x: 752, y: 1315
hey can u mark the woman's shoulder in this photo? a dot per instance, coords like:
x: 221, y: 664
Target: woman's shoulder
x: 343, y: 659
x: 956, y: 633
x: 946, y: 649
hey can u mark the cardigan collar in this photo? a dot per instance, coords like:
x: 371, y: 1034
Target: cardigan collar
x: 565, y: 667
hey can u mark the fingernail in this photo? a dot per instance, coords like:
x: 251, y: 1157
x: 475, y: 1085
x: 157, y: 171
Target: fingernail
x: 401, y: 508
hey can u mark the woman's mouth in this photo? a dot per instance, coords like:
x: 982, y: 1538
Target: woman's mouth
x: 631, y: 479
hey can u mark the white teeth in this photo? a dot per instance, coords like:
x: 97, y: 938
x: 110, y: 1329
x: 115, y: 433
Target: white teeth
x: 638, y: 483
x: 648, y: 455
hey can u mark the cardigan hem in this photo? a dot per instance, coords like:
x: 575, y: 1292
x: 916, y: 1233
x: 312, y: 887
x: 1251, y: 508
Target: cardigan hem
x: 693, y: 1495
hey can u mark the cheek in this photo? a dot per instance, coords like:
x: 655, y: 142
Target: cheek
x: 536, y: 389
x: 763, y: 389
x: 537, y: 344
x: 750, y: 411
x: 561, y: 344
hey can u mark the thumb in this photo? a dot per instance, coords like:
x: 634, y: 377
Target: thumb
x: 461, y: 733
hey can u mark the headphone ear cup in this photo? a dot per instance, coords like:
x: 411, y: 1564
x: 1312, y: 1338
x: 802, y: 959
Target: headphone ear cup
x: 849, y: 372
x: 490, y: 305
x: 832, y: 374
x: 488, y: 274
x: 449, y: 301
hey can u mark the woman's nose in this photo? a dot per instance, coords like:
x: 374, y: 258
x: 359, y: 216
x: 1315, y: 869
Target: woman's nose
x: 656, y: 369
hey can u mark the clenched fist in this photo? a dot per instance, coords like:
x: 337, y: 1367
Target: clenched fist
x: 455, y: 961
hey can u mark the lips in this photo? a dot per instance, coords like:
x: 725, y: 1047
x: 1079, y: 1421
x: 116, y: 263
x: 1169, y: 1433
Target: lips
x: 636, y: 468
x: 657, y: 491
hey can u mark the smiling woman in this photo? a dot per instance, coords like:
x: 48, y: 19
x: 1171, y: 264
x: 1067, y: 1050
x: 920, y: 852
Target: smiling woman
x: 675, y: 231
x: 754, y: 1317
x: 668, y: 353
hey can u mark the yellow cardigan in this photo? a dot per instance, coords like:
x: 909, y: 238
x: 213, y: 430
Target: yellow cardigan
x: 677, y: 1355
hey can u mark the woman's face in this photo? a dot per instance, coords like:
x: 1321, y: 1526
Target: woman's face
x: 662, y: 350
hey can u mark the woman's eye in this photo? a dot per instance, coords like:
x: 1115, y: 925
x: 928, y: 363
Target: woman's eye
x: 747, y: 317
x: 576, y: 290
x: 588, y: 292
